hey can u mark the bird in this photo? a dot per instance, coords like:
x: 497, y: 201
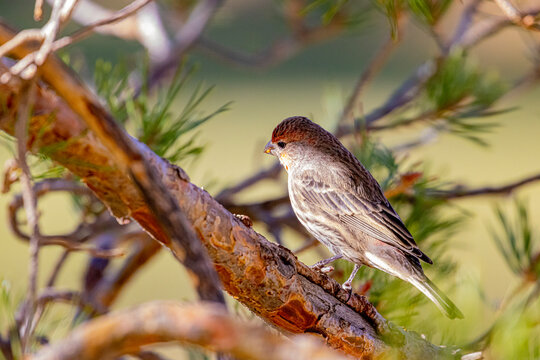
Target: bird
x: 342, y: 205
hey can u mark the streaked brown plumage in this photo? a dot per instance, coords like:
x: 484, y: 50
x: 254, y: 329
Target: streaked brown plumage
x: 344, y: 207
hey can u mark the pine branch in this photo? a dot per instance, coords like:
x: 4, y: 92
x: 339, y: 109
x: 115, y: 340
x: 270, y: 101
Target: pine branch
x: 265, y: 277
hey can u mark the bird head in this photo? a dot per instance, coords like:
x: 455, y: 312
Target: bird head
x: 292, y: 137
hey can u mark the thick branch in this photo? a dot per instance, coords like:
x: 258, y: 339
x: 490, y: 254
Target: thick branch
x: 131, y: 158
x: 205, y: 325
x: 265, y: 277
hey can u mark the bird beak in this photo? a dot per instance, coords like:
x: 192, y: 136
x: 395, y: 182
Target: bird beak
x: 269, y: 148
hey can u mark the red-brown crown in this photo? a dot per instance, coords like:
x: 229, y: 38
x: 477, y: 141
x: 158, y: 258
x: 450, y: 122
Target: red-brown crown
x: 297, y: 128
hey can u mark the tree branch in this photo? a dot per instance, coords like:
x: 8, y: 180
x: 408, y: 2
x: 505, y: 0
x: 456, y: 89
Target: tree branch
x: 462, y: 191
x: 205, y: 325
x: 130, y: 157
x: 265, y: 277
x: 29, y: 200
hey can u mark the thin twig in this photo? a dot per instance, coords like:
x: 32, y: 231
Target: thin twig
x: 72, y: 241
x: 462, y: 191
x: 26, y: 68
x: 38, y: 10
x: 56, y: 270
x: 515, y: 15
x: 30, y: 207
x: 488, y: 28
x: 119, y: 15
x: 466, y: 19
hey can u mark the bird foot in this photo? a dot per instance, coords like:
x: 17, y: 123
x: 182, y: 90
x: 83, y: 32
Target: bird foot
x: 347, y: 285
x: 321, y: 265
x: 326, y: 269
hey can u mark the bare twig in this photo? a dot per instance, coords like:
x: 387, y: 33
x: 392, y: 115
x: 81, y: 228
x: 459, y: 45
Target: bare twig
x: 270, y: 173
x: 466, y: 19
x: 204, y: 325
x: 26, y: 67
x: 49, y: 295
x: 57, y: 267
x: 38, y: 10
x: 488, y: 28
x: 146, y: 27
x: 72, y: 241
x: 117, y: 16
x: 30, y: 207
x: 462, y: 191
x: 515, y: 15
x: 407, y: 92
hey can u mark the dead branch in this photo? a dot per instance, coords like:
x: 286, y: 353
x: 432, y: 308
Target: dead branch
x: 26, y: 102
x: 145, y: 27
x: 74, y: 240
x: 26, y: 68
x: 117, y: 16
x: 515, y: 15
x: 265, y: 277
x: 487, y: 28
x: 462, y: 191
x: 205, y: 325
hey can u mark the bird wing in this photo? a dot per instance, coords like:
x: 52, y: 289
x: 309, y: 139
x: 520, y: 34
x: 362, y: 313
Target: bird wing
x: 361, y: 209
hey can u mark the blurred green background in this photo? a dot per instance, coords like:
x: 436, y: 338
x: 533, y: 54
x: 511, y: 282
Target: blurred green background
x: 315, y: 83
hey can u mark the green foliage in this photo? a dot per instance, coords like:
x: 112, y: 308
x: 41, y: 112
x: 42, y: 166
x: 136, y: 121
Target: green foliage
x: 328, y: 8
x: 392, y: 9
x: 461, y: 95
x: 153, y: 120
x: 427, y: 11
x: 517, y: 242
x: 518, y: 336
x: 344, y: 12
x: 379, y: 160
x: 459, y: 83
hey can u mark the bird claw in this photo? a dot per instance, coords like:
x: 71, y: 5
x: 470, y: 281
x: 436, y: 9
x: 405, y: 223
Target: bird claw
x: 326, y: 269
x: 347, y: 286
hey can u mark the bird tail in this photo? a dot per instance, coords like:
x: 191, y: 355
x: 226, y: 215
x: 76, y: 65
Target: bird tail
x: 442, y: 301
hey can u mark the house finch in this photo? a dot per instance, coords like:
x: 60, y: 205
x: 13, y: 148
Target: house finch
x: 342, y: 206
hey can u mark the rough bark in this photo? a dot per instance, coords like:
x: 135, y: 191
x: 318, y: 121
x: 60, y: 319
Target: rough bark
x: 264, y: 276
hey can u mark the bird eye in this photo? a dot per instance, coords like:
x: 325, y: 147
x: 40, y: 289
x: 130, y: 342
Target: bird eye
x: 281, y: 144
